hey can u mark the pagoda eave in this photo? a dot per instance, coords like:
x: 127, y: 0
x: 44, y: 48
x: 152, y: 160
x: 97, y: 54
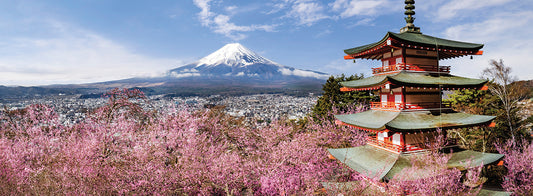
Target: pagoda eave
x: 446, y: 48
x: 418, y: 80
x: 381, y: 164
x: 412, y: 121
x: 425, y: 87
x: 375, y: 53
x: 338, y: 122
x: 443, y: 127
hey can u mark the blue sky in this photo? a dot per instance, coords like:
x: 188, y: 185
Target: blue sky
x: 79, y: 41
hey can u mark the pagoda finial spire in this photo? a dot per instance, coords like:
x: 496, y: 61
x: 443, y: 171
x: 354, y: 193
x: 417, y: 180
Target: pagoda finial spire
x: 410, y: 12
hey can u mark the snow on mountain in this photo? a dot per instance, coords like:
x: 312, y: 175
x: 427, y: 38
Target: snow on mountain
x: 235, y: 60
x: 233, y: 54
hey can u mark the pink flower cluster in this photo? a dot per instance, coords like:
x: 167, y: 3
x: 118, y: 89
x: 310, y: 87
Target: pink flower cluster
x: 430, y: 175
x: 519, y: 163
x: 123, y: 149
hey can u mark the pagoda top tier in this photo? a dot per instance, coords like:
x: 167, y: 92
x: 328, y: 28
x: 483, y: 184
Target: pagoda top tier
x: 393, y: 41
x: 410, y: 12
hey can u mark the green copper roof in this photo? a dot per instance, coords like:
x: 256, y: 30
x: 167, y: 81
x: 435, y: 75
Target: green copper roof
x: 430, y: 120
x: 378, y: 163
x: 338, y: 188
x: 419, y: 39
x: 365, y: 47
x: 415, y: 120
x: 475, y: 158
x: 486, y: 192
x: 371, y: 119
x: 417, y: 79
x: 367, y: 160
x: 366, y: 82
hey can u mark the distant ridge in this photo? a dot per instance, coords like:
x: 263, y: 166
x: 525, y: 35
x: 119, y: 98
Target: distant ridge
x: 232, y: 69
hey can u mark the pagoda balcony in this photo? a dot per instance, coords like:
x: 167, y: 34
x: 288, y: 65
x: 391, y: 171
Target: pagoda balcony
x: 405, y: 148
x: 388, y: 145
x: 408, y: 106
x: 401, y: 66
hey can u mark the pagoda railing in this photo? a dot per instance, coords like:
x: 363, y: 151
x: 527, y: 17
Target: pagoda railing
x: 401, y: 66
x: 408, y: 106
x: 387, y: 105
x: 407, y: 148
x: 427, y: 105
x: 393, y: 147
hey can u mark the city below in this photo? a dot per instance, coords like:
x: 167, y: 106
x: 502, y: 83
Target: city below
x: 259, y: 108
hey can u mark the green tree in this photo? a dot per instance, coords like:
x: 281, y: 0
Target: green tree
x: 501, y: 101
x: 474, y: 102
x: 333, y: 99
x: 504, y: 87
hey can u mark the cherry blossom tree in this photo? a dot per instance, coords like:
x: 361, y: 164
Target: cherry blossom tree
x: 123, y: 149
x: 519, y: 163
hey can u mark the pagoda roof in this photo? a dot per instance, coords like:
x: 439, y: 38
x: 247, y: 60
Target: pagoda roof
x: 476, y: 158
x: 378, y: 120
x: 334, y: 188
x: 447, y: 48
x: 367, y: 160
x: 337, y: 188
x: 378, y: 163
x: 371, y: 119
x: 416, y: 79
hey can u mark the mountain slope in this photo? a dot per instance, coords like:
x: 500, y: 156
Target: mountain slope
x: 238, y: 62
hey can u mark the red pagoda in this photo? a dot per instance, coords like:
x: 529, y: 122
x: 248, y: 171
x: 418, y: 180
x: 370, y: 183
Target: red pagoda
x: 410, y: 84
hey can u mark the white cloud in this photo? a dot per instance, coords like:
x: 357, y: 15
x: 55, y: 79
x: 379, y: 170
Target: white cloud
x: 323, y: 33
x: 302, y: 73
x: 454, y: 7
x: 301, y: 12
x: 189, y: 70
x: 496, y: 27
x: 71, y: 55
x: 350, y: 8
x: 506, y: 36
x: 183, y: 75
x: 363, y: 22
x: 347, y: 67
x: 307, y: 12
x: 225, y: 27
x: 206, y: 14
x: 221, y: 24
x: 231, y: 9
x: 304, y: 12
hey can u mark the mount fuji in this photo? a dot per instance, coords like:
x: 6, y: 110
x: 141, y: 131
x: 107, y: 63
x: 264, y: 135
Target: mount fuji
x: 232, y: 70
x: 234, y: 61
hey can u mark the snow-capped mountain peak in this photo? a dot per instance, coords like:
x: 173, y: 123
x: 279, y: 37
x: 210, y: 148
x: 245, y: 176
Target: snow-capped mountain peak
x: 233, y: 54
x: 237, y: 61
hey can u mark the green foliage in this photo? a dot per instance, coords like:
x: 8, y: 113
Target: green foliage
x: 484, y: 103
x: 333, y: 98
x: 474, y: 102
